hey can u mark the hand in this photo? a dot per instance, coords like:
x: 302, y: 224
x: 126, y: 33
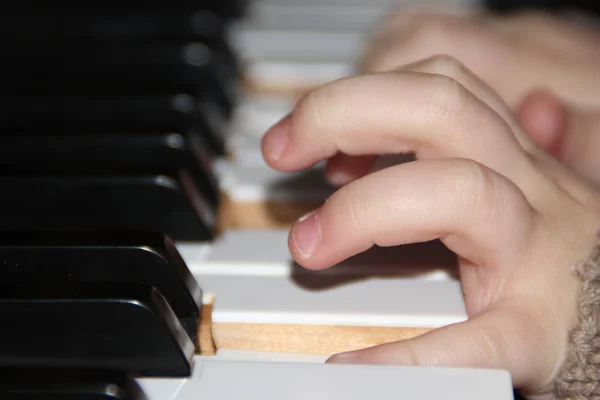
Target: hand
x: 544, y: 67
x: 514, y: 55
x: 517, y: 219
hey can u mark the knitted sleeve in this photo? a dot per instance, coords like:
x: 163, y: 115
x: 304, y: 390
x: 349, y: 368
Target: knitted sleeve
x: 579, y: 378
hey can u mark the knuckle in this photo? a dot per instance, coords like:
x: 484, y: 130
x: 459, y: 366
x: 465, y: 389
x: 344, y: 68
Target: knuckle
x: 448, y: 99
x: 488, y: 197
x: 447, y: 65
x: 468, y: 175
x: 475, y: 188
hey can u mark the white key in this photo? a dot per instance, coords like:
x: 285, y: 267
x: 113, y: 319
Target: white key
x: 313, y: 18
x: 282, y: 45
x: 215, y: 379
x: 245, y: 150
x: 257, y: 113
x: 296, y: 75
x: 254, y: 183
x: 194, y: 253
x: 254, y: 280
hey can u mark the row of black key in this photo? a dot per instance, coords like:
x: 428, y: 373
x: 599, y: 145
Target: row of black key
x: 151, y: 182
x: 119, y: 69
x: 111, y: 119
x: 110, y: 129
x: 81, y: 308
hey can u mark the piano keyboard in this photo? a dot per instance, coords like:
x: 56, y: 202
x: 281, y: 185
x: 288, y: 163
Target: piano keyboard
x: 144, y: 238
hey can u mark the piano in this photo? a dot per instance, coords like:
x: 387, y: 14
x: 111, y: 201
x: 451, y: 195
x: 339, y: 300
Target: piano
x: 143, y: 247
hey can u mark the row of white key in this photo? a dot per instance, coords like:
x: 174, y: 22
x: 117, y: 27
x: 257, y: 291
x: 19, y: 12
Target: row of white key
x: 283, y: 44
x: 254, y: 279
x: 217, y: 379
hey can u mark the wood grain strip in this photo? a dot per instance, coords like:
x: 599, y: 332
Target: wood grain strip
x: 305, y: 339
x: 291, y: 90
x: 261, y: 215
x: 206, y: 345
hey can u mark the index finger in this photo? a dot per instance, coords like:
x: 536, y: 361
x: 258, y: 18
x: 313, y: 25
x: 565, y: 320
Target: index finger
x: 431, y: 115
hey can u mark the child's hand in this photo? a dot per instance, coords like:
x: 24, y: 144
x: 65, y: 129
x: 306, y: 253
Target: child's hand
x: 517, y: 219
x: 515, y: 54
x: 544, y: 67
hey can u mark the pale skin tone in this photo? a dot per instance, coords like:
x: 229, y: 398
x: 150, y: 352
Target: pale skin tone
x: 514, y: 54
x: 544, y: 67
x: 518, y: 220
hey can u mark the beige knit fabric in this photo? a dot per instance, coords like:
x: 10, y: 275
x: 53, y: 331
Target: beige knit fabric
x: 579, y: 378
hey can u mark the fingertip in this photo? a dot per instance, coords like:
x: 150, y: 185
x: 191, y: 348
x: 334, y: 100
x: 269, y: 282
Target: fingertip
x: 542, y: 115
x: 276, y: 141
x: 304, y: 239
x: 343, y: 358
x: 306, y: 235
x: 384, y: 354
x: 338, y: 178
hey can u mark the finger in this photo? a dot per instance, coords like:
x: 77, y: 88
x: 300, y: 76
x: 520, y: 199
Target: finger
x: 472, y: 209
x: 543, y: 118
x: 342, y: 168
x: 504, y: 337
x: 402, y: 112
x: 453, y: 68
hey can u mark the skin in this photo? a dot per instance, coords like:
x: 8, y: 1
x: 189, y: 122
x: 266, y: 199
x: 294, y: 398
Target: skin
x: 569, y: 133
x: 514, y: 54
x: 543, y: 67
x: 518, y: 220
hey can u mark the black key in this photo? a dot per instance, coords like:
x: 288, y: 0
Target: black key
x: 224, y: 8
x: 170, y: 205
x: 215, y: 125
x: 104, y: 257
x: 53, y: 26
x: 101, y: 154
x: 67, y: 384
x: 99, y: 114
x: 123, y: 68
x: 60, y: 114
x: 64, y: 324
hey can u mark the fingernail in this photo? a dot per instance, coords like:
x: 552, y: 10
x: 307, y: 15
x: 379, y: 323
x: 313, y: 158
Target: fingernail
x: 278, y: 138
x: 306, y: 234
x: 342, y: 358
x: 339, y: 178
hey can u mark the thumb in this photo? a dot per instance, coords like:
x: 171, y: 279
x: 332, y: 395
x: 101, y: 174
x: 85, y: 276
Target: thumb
x: 502, y: 338
x: 543, y: 117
